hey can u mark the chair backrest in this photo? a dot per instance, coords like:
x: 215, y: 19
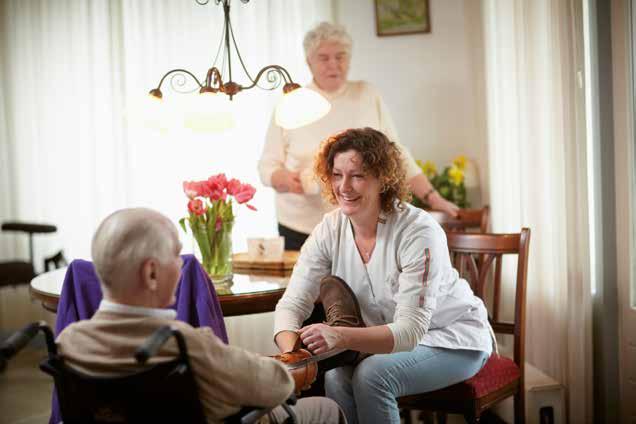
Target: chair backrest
x: 468, y: 220
x: 473, y: 255
x: 165, y: 392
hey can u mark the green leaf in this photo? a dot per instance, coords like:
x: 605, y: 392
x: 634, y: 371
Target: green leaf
x: 182, y: 223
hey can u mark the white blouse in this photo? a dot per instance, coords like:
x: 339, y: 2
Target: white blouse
x: 408, y: 284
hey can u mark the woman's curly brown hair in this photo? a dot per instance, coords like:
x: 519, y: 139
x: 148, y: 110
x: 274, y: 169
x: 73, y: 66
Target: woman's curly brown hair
x: 380, y: 157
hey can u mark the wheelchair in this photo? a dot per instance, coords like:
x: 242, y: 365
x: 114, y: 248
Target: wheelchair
x: 13, y: 273
x: 162, y: 393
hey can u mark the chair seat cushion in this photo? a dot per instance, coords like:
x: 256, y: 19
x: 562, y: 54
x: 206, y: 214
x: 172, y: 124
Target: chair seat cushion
x: 16, y: 272
x: 498, y: 372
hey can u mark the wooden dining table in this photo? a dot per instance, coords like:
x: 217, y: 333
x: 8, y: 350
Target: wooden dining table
x: 249, y: 292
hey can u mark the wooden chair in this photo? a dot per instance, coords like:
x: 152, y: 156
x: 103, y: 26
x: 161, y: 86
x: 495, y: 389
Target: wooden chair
x: 13, y: 273
x: 468, y: 220
x: 473, y: 255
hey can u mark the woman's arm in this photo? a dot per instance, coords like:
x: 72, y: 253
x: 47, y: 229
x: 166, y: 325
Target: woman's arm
x: 271, y: 165
x: 422, y: 188
x: 321, y: 338
x: 297, y: 303
x: 287, y: 341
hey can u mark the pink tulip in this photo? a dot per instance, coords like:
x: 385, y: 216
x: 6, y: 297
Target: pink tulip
x: 190, y: 189
x: 222, y: 180
x: 196, y: 207
x: 217, y: 182
x: 216, y: 194
x: 233, y: 186
x: 245, y: 194
x: 250, y: 206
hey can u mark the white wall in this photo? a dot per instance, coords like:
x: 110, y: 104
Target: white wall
x: 433, y: 83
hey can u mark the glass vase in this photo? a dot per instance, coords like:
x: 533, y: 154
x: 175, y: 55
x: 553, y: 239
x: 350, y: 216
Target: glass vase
x: 215, y: 247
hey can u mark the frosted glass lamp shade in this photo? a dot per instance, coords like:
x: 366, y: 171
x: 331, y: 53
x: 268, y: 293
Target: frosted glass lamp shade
x: 301, y: 107
x: 209, y: 112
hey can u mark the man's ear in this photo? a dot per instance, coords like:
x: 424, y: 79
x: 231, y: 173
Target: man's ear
x: 149, y: 271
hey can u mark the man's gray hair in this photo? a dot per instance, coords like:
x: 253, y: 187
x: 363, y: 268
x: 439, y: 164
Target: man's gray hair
x: 128, y: 237
x: 326, y: 31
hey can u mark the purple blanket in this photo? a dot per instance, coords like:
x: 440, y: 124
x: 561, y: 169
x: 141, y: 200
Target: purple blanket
x: 197, y: 303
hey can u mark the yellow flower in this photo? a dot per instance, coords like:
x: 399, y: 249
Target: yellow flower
x: 456, y: 175
x: 460, y: 162
x: 428, y: 168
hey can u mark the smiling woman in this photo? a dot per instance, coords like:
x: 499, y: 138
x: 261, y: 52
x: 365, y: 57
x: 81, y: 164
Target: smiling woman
x: 362, y: 155
x: 377, y: 260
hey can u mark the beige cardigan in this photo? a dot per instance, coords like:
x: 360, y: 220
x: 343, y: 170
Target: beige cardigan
x: 227, y: 377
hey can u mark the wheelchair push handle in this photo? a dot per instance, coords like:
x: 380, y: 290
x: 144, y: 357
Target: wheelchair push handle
x: 152, y: 344
x: 18, y: 340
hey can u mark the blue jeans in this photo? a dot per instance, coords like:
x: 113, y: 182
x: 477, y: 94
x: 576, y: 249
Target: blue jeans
x: 367, y: 393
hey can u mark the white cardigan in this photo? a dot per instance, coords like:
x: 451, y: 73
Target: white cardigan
x: 408, y: 284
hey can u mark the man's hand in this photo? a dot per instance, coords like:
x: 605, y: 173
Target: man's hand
x: 303, y: 376
x: 286, y: 181
x: 320, y: 338
x: 437, y: 202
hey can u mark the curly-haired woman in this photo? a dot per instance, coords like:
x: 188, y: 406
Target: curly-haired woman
x: 287, y: 156
x: 423, y: 323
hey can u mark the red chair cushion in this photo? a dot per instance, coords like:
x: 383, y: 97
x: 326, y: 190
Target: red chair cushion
x: 498, y: 372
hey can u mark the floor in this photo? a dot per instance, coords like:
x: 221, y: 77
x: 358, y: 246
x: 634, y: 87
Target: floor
x: 25, y: 391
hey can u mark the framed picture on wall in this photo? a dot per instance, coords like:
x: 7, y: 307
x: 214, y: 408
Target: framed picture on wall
x: 396, y: 17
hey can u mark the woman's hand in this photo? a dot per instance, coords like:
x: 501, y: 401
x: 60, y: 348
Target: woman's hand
x: 320, y: 338
x: 286, y: 181
x: 437, y: 202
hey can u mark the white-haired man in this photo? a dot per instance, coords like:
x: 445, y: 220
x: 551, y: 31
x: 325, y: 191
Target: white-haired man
x: 136, y: 256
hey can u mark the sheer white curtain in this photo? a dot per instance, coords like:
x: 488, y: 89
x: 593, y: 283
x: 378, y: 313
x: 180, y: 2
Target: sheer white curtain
x: 73, y: 72
x: 537, y: 178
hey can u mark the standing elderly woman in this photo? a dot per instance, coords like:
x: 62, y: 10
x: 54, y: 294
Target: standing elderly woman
x: 423, y: 323
x: 286, y: 161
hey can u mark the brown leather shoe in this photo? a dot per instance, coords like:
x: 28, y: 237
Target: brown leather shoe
x: 342, y: 310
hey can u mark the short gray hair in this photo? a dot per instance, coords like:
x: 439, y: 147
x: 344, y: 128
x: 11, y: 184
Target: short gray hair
x: 326, y: 31
x: 128, y: 237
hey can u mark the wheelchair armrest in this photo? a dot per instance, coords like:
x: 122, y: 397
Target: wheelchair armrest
x: 249, y: 415
x: 291, y: 400
x: 18, y: 340
x: 28, y: 227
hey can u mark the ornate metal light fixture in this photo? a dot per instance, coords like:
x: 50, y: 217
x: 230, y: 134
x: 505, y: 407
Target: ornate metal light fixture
x: 299, y: 106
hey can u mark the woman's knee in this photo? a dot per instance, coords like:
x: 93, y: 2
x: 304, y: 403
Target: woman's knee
x: 372, y: 374
x: 337, y: 379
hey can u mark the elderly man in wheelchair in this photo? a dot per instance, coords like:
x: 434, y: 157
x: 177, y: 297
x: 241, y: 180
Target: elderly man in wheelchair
x: 136, y: 256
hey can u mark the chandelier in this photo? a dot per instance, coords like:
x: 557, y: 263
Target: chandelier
x: 298, y: 107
